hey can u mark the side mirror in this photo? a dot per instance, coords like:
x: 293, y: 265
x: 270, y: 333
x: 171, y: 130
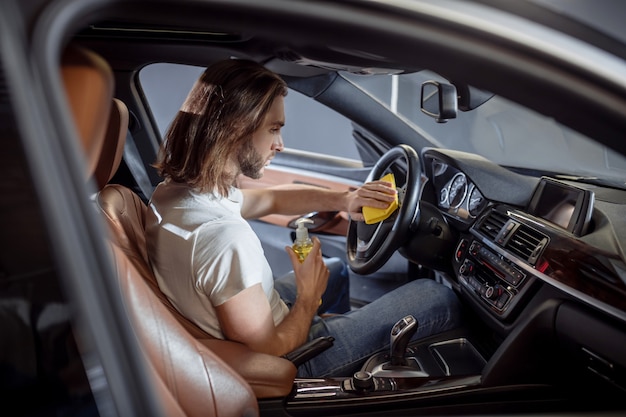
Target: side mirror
x: 439, y: 101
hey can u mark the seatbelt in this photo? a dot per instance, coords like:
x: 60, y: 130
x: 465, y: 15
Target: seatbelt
x: 135, y: 165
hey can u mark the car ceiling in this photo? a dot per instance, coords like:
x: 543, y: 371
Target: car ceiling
x: 259, y: 32
x: 358, y: 36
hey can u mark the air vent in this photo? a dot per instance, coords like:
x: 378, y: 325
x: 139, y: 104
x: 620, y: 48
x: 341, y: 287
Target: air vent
x: 527, y: 244
x: 492, y: 224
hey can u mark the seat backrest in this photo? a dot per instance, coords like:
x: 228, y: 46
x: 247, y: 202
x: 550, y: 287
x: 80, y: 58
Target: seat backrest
x: 113, y: 146
x: 269, y: 376
x: 125, y: 214
x: 89, y: 86
x: 191, y: 379
x: 200, y: 382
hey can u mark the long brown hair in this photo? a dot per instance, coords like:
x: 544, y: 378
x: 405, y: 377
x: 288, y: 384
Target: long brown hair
x: 223, y: 109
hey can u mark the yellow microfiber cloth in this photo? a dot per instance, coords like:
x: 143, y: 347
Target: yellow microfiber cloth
x: 374, y: 215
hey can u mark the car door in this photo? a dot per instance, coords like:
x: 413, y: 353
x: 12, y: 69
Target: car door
x: 66, y: 347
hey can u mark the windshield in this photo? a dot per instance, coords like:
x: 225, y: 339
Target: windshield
x: 501, y: 131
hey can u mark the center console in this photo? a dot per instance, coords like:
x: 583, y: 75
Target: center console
x: 490, y: 277
x: 446, y: 363
x: 496, y: 263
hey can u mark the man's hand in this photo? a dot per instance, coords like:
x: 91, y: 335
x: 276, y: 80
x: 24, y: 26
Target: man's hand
x: 311, y: 276
x: 377, y: 194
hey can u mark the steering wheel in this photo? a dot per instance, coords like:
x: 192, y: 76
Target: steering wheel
x: 369, y: 246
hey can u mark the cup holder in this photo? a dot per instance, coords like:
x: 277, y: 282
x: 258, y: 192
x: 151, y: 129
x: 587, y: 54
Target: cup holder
x: 427, y: 367
x: 457, y: 357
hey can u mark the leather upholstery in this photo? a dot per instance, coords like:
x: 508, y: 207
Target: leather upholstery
x: 200, y: 383
x: 189, y: 377
x: 88, y: 81
x: 113, y: 146
x: 269, y: 376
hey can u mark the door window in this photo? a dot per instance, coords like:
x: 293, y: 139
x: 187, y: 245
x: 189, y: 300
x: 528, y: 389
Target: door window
x: 310, y: 126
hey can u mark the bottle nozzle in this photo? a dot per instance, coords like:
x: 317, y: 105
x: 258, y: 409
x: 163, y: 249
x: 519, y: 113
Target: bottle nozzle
x: 302, y: 232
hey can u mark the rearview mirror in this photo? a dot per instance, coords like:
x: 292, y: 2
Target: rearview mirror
x: 439, y: 101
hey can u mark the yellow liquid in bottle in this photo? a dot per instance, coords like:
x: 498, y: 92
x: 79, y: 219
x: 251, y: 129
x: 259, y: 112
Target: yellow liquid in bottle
x: 302, y: 250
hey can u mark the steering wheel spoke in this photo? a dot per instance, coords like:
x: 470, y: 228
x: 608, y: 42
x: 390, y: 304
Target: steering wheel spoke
x: 370, y: 237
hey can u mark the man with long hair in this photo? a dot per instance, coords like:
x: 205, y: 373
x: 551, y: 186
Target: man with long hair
x: 208, y: 260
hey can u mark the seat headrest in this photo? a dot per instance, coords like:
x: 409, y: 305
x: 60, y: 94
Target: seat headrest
x: 113, y: 145
x: 89, y: 83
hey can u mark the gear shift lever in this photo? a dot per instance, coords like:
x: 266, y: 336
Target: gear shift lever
x: 401, y: 334
x: 394, y: 364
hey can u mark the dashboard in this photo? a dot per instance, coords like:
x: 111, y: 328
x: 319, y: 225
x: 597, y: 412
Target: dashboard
x: 517, y: 233
x: 540, y: 262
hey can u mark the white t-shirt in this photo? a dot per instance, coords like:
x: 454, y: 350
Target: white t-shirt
x: 203, y: 252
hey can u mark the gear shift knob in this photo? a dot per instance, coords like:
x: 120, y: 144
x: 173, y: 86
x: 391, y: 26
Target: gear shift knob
x: 401, y: 334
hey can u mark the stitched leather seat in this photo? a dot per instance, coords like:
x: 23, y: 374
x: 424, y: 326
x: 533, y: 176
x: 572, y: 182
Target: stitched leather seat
x: 269, y: 376
x: 190, y: 378
x: 124, y: 211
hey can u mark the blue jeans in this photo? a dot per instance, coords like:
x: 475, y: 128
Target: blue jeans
x: 361, y: 333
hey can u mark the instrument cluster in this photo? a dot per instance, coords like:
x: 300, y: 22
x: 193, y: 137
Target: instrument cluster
x: 458, y: 195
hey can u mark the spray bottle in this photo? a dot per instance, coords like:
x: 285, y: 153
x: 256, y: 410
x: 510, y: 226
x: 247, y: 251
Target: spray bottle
x: 303, y: 243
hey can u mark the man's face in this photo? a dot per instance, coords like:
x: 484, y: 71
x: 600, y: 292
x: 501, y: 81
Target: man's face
x: 266, y: 141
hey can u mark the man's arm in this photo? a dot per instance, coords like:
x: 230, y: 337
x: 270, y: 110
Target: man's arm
x: 300, y: 199
x: 247, y: 317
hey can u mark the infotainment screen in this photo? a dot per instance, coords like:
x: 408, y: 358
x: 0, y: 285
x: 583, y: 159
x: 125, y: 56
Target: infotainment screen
x: 562, y: 204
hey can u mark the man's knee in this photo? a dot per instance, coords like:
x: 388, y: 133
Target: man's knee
x: 336, y: 265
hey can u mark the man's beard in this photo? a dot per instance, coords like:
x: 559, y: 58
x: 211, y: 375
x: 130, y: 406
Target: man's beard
x: 251, y: 163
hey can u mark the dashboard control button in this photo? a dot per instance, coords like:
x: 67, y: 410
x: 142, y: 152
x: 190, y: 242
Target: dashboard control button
x: 460, y: 250
x: 363, y: 380
x: 467, y: 268
x: 490, y: 292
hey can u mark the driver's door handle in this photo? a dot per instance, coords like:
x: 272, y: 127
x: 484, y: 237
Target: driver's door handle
x: 322, y: 220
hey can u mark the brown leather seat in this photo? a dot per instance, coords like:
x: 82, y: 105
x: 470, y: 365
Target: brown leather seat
x: 124, y: 211
x: 112, y: 149
x: 269, y: 376
x: 89, y: 89
x: 190, y: 378
x: 196, y: 380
